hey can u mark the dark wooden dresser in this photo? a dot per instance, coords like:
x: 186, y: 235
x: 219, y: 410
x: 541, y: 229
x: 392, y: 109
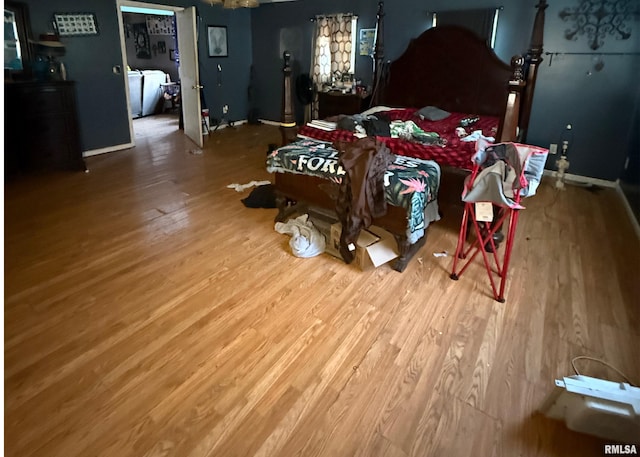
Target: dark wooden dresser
x: 41, y: 127
x: 335, y: 103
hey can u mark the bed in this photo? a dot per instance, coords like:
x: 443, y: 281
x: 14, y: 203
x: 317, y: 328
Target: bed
x: 433, y: 71
x: 410, y: 187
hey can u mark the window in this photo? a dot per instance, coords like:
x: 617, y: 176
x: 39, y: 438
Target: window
x: 334, y: 50
x: 484, y: 22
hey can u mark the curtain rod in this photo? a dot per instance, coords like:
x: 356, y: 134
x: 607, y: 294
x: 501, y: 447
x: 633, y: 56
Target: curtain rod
x: 322, y: 16
x: 501, y: 8
x: 592, y: 53
x: 597, y: 54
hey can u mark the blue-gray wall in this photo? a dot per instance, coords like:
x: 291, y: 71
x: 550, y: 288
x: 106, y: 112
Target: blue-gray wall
x: 404, y: 19
x: 101, y: 93
x: 630, y: 179
x: 599, y: 105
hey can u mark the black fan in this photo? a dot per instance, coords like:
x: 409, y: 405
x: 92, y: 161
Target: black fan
x: 304, y: 88
x: 252, y: 116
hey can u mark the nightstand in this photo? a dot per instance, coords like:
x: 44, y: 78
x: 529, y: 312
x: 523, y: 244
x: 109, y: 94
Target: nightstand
x: 335, y: 103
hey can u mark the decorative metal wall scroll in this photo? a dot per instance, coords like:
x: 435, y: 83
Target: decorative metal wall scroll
x: 598, y: 18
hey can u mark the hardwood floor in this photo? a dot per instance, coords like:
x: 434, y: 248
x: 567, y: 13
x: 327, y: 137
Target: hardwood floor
x: 149, y: 313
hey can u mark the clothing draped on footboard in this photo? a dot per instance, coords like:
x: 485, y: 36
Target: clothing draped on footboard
x: 409, y: 183
x: 361, y: 197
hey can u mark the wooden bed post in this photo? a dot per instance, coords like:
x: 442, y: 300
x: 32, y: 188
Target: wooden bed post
x: 534, y: 59
x: 378, y: 55
x: 288, y: 130
x: 508, y: 129
x: 288, y: 127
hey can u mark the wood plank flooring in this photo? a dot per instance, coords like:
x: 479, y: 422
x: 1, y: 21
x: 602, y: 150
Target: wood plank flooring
x: 149, y: 313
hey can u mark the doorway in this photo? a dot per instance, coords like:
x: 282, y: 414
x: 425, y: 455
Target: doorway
x: 156, y: 37
x: 152, y: 70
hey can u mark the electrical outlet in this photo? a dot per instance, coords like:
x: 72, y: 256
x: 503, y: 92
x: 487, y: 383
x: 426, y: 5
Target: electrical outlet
x: 225, y: 109
x: 553, y: 148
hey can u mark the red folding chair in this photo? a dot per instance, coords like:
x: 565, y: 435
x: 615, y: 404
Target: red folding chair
x: 501, y: 176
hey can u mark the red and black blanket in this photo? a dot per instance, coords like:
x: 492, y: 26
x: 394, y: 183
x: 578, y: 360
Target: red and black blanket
x: 451, y: 150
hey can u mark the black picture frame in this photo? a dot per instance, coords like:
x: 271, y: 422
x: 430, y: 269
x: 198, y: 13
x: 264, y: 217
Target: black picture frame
x: 76, y: 24
x: 142, y: 42
x: 217, y: 43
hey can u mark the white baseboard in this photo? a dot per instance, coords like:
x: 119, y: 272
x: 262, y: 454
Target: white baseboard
x: 569, y: 178
x: 226, y: 124
x: 627, y: 206
x: 118, y: 147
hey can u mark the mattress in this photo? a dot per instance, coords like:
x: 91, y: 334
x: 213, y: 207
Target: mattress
x: 453, y: 149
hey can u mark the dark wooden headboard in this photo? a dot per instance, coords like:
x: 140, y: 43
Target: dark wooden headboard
x: 448, y: 67
x: 451, y: 68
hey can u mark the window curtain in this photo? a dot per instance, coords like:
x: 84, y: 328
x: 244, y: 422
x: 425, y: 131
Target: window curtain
x: 333, y: 53
x: 479, y: 21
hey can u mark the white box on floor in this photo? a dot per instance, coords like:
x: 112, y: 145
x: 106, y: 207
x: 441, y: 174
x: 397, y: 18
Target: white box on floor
x: 374, y: 247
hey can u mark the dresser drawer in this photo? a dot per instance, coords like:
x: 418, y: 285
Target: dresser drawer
x: 45, y: 100
x: 51, y: 129
x: 41, y: 127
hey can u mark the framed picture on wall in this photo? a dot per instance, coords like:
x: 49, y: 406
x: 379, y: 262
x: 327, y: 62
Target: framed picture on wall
x: 141, y: 41
x: 76, y: 24
x: 367, y: 41
x: 217, y: 41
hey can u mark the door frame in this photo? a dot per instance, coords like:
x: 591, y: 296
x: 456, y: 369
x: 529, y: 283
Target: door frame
x: 123, y: 49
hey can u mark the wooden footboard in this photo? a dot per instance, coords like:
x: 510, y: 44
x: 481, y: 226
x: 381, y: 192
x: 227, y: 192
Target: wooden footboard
x: 295, y: 192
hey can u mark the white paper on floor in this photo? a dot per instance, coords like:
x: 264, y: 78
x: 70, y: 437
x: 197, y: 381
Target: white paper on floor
x: 241, y: 187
